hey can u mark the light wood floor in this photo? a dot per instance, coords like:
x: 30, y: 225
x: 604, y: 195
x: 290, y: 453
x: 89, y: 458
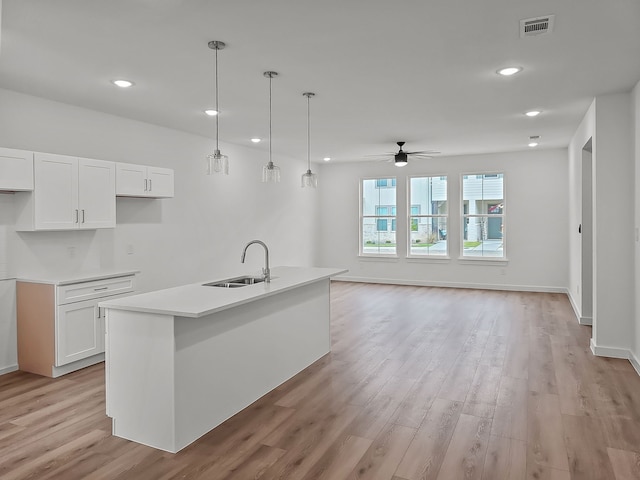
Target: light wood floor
x: 422, y: 383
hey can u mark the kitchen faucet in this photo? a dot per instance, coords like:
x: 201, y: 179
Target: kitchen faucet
x: 265, y: 271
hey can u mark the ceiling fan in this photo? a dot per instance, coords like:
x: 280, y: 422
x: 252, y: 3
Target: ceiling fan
x: 401, y: 157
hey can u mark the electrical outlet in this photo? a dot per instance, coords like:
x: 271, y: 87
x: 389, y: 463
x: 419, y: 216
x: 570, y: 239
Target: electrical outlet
x: 503, y: 271
x: 130, y: 249
x: 71, y: 251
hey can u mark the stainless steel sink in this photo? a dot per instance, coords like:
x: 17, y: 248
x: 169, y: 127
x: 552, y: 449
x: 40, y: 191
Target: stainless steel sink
x: 235, y: 282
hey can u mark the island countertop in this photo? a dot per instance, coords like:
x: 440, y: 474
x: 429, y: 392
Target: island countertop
x: 197, y: 300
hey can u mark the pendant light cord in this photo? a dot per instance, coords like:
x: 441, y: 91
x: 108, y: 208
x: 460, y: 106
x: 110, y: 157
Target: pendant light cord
x: 270, y: 79
x: 308, y: 133
x: 217, y: 110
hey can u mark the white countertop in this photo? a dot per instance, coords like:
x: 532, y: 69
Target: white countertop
x: 196, y: 300
x: 67, y: 279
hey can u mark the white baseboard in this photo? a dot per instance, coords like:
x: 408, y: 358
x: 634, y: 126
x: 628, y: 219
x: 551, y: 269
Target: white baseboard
x: 612, y: 352
x: 77, y: 365
x: 9, y: 369
x: 635, y: 362
x: 585, y: 321
x: 478, y: 286
x: 574, y: 305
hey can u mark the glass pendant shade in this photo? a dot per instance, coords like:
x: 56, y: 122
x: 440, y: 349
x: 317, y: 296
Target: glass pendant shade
x: 270, y: 173
x: 309, y: 180
x: 217, y: 163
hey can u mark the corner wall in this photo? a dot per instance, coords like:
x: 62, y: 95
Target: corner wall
x: 197, y: 235
x: 608, y: 122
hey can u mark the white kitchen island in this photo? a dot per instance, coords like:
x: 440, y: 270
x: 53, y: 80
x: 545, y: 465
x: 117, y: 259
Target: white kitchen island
x: 181, y: 361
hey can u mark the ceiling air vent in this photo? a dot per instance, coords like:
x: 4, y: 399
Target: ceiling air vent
x: 536, y: 26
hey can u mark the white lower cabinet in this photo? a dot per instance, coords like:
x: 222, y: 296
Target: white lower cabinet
x: 60, y: 327
x: 79, y: 332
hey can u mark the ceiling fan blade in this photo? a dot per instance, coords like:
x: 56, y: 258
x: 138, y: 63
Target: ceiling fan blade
x: 390, y: 154
x: 422, y: 152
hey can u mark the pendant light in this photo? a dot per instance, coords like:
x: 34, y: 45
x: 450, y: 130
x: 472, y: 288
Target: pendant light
x: 216, y: 162
x: 309, y: 180
x: 270, y: 172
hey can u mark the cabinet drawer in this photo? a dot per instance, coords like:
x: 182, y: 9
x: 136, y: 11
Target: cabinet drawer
x: 100, y: 288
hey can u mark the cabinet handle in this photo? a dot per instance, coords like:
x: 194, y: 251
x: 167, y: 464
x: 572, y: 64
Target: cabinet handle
x: 145, y: 184
x: 150, y: 185
x: 76, y: 216
x: 100, y: 288
x: 83, y: 215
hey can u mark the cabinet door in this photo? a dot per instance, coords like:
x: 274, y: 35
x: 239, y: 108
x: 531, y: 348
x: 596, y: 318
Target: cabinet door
x: 160, y: 182
x: 131, y: 180
x: 96, y: 193
x: 16, y: 170
x: 79, y: 332
x: 56, y: 192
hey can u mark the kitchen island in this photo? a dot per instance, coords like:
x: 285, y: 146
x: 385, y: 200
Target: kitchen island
x: 180, y: 361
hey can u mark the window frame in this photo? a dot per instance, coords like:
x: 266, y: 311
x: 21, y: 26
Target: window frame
x: 464, y: 216
x: 391, y: 217
x: 410, y: 216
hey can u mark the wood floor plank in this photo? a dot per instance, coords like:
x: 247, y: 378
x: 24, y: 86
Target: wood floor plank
x: 466, y: 452
x: 506, y: 459
x: 545, y: 439
x: 625, y: 464
x: 426, y: 451
x: 588, y: 459
x: 382, y: 458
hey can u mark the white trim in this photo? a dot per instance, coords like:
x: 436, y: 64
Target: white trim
x: 427, y: 259
x: 77, y: 365
x: 634, y: 362
x: 585, y: 321
x: 574, y: 305
x: 612, y: 352
x: 422, y: 283
x: 378, y: 258
x: 9, y: 369
x: 484, y: 261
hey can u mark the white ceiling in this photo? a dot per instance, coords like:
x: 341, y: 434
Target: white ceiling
x: 422, y: 71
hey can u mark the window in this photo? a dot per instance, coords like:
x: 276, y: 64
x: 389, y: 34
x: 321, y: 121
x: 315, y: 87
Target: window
x: 428, y: 216
x: 378, y: 216
x: 483, y: 215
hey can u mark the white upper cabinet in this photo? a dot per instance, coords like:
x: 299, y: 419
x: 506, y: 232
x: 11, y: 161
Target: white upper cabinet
x: 16, y: 170
x: 69, y: 193
x: 143, y: 181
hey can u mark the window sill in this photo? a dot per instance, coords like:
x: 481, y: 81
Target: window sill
x: 428, y: 259
x: 482, y: 261
x: 378, y: 258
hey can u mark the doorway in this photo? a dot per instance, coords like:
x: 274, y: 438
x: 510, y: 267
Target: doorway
x: 586, y: 317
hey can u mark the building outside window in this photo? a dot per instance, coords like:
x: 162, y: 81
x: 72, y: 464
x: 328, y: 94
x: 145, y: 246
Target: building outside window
x: 428, y: 216
x: 483, y: 215
x: 378, y: 216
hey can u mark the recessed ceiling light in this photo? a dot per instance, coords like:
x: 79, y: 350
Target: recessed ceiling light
x: 508, y: 71
x: 326, y: 159
x: 122, y: 83
x: 211, y: 112
x: 533, y: 144
x: 533, y: 113
x: 255, y: 140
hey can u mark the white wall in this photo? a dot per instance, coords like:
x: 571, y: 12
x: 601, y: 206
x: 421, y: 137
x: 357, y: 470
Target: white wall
x: 609, y: 123
x: 536, y: 217
x: 196, y: 235
x: 636, y: 152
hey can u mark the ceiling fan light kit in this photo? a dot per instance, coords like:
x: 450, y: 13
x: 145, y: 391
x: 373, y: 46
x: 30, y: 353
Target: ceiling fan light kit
x: 216, y: 162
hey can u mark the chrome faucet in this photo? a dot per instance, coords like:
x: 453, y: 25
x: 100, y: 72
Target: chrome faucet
x: 265, y: 271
